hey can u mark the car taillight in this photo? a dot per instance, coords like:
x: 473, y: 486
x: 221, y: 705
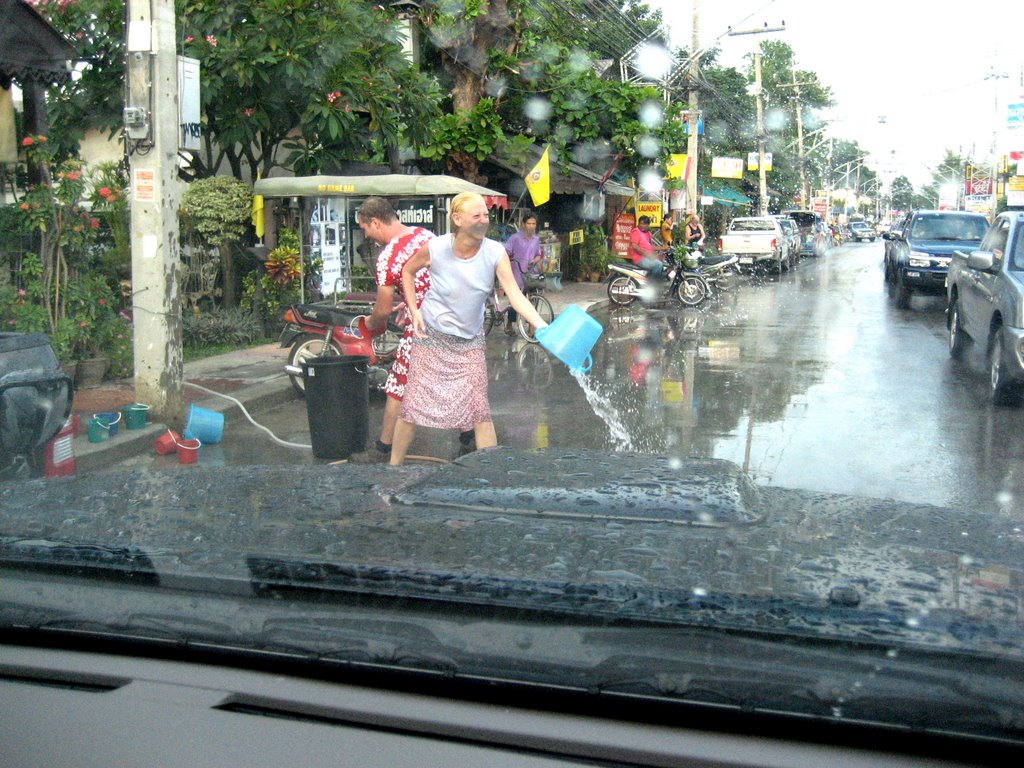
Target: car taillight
x: 289, y: 316
x: 719, y: 244
x: 775, y: 243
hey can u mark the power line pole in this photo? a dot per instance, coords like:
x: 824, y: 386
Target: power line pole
x: 805, y: 190
x: 151, y: 142
x: 762, y: 176
x: 694, y: 120
x: 762, y: 204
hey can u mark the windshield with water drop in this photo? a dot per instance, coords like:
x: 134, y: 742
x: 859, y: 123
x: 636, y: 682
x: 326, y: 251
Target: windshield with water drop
x: 795, y: 490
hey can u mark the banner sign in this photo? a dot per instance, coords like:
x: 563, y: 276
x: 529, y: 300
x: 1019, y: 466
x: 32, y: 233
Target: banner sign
x: 624, y: 224
x: 752, y: 161
x: 1015, y: 191
x: 727, y: 167
x: 977, y: 203
x: 677, y: 167
x: 979, y: 187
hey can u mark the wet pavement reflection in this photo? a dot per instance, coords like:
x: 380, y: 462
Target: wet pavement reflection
x: 811, y: 380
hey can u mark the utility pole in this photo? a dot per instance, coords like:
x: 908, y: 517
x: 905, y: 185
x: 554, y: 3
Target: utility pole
x: 762, y: 176
x: 694, y: 120
x: 805, y: 190
x: 761, y: 133
x: 151, y: 143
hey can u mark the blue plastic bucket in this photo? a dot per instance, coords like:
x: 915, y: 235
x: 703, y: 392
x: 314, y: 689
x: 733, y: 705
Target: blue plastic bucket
x: 204, y: 424
x: 570, y: 337
x: 109, y: 421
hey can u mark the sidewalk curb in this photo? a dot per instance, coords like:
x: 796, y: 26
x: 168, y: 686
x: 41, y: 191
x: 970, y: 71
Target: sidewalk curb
x: 92, y: 457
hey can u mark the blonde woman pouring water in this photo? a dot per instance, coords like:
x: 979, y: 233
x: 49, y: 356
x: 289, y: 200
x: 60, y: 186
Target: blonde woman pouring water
x: 447, y: 384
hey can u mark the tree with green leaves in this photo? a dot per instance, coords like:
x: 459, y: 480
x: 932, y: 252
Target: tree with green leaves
x: 902, y: 194
x: 299, y: 84
x: 303, y: 84
x: 218, y: 209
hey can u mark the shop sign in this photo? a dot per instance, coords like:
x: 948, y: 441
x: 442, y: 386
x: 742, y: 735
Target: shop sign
x: 727, y: 167
x: 651, y: 210
x: 624, y: 224
x: 1015, y: 191
x: 576, y: 237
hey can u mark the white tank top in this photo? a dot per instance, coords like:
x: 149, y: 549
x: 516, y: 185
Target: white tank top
x: 459, y: 287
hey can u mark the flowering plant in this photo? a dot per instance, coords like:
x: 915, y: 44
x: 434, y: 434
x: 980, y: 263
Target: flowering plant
x: 270, y: 293
x: 61, y: 290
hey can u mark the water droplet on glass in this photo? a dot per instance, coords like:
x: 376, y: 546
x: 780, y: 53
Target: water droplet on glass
x: 648, y: 146
x: 537, y: 108
x: 654, y: 60
x: 651, y: 114
x: 650, y: 180
x: 496, y: 87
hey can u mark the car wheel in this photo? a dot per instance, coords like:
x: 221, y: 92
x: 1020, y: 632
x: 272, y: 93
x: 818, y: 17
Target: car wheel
x: 957, y: 338
x: 306, y: 347
x: 902, y: 291
x: 887, y: 269
x: 1002, y: 391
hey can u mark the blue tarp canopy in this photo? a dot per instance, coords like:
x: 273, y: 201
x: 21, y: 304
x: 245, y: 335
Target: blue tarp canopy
x: 728, y: 197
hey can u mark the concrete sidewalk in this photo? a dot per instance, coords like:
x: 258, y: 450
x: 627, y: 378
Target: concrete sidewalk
x: 254, y: 376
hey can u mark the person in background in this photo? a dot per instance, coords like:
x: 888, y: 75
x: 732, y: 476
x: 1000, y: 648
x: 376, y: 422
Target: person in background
x: 693, y: 230
x: 666, y: 230
x: 447, y: 386
x: 381, y: 225
x: 526, y: 255
x: 643, y: 252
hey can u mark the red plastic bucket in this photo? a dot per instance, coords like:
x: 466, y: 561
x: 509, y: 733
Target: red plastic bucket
x: 167, y: 442
x: 188, y: 450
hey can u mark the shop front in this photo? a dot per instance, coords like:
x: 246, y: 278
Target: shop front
x: 324, y: 210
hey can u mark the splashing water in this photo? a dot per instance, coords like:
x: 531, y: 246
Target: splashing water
x: 605, y: 411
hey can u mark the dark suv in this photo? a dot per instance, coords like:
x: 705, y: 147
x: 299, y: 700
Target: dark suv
x: 917, y: 256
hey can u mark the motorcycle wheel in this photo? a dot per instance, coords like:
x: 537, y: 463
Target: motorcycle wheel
x: 306, y: 347
x: 727, y: 278
x: 622, y: 291
x: 692, y: 290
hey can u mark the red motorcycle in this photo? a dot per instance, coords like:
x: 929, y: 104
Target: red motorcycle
x: 315, y: 330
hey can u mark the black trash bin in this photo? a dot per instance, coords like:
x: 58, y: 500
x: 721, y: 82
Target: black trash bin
x: 337, y: 404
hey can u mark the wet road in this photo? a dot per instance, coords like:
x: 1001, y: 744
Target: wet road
x: 810, y: 380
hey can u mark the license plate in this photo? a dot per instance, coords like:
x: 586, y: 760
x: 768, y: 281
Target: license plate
x: 746, y: 260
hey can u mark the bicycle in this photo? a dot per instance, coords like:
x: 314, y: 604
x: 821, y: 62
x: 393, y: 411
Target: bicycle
x: 495, y: 313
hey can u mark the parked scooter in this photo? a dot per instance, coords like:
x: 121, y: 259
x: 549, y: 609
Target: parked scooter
x: 720, y: 272
x: 314, y: 330
x: 629, y: 282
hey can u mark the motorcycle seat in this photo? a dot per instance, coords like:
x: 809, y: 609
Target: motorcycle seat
x: 326, y: 315
x: 713, y: 261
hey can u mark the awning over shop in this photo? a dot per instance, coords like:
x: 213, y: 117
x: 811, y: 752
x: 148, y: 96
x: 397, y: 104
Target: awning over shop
x: 30, y: 49
x: 387, y: 185
x: 727, y: 197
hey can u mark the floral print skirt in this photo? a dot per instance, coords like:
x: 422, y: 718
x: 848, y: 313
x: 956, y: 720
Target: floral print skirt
x: 447, y: 382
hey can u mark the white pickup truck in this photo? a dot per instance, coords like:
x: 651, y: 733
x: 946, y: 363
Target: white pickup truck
x: 757, y: 241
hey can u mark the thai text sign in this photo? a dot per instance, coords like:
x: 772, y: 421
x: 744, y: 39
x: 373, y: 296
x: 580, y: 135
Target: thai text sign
x: 727, y: 167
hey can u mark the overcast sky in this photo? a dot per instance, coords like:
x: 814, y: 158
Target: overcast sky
x: 923, y: 67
